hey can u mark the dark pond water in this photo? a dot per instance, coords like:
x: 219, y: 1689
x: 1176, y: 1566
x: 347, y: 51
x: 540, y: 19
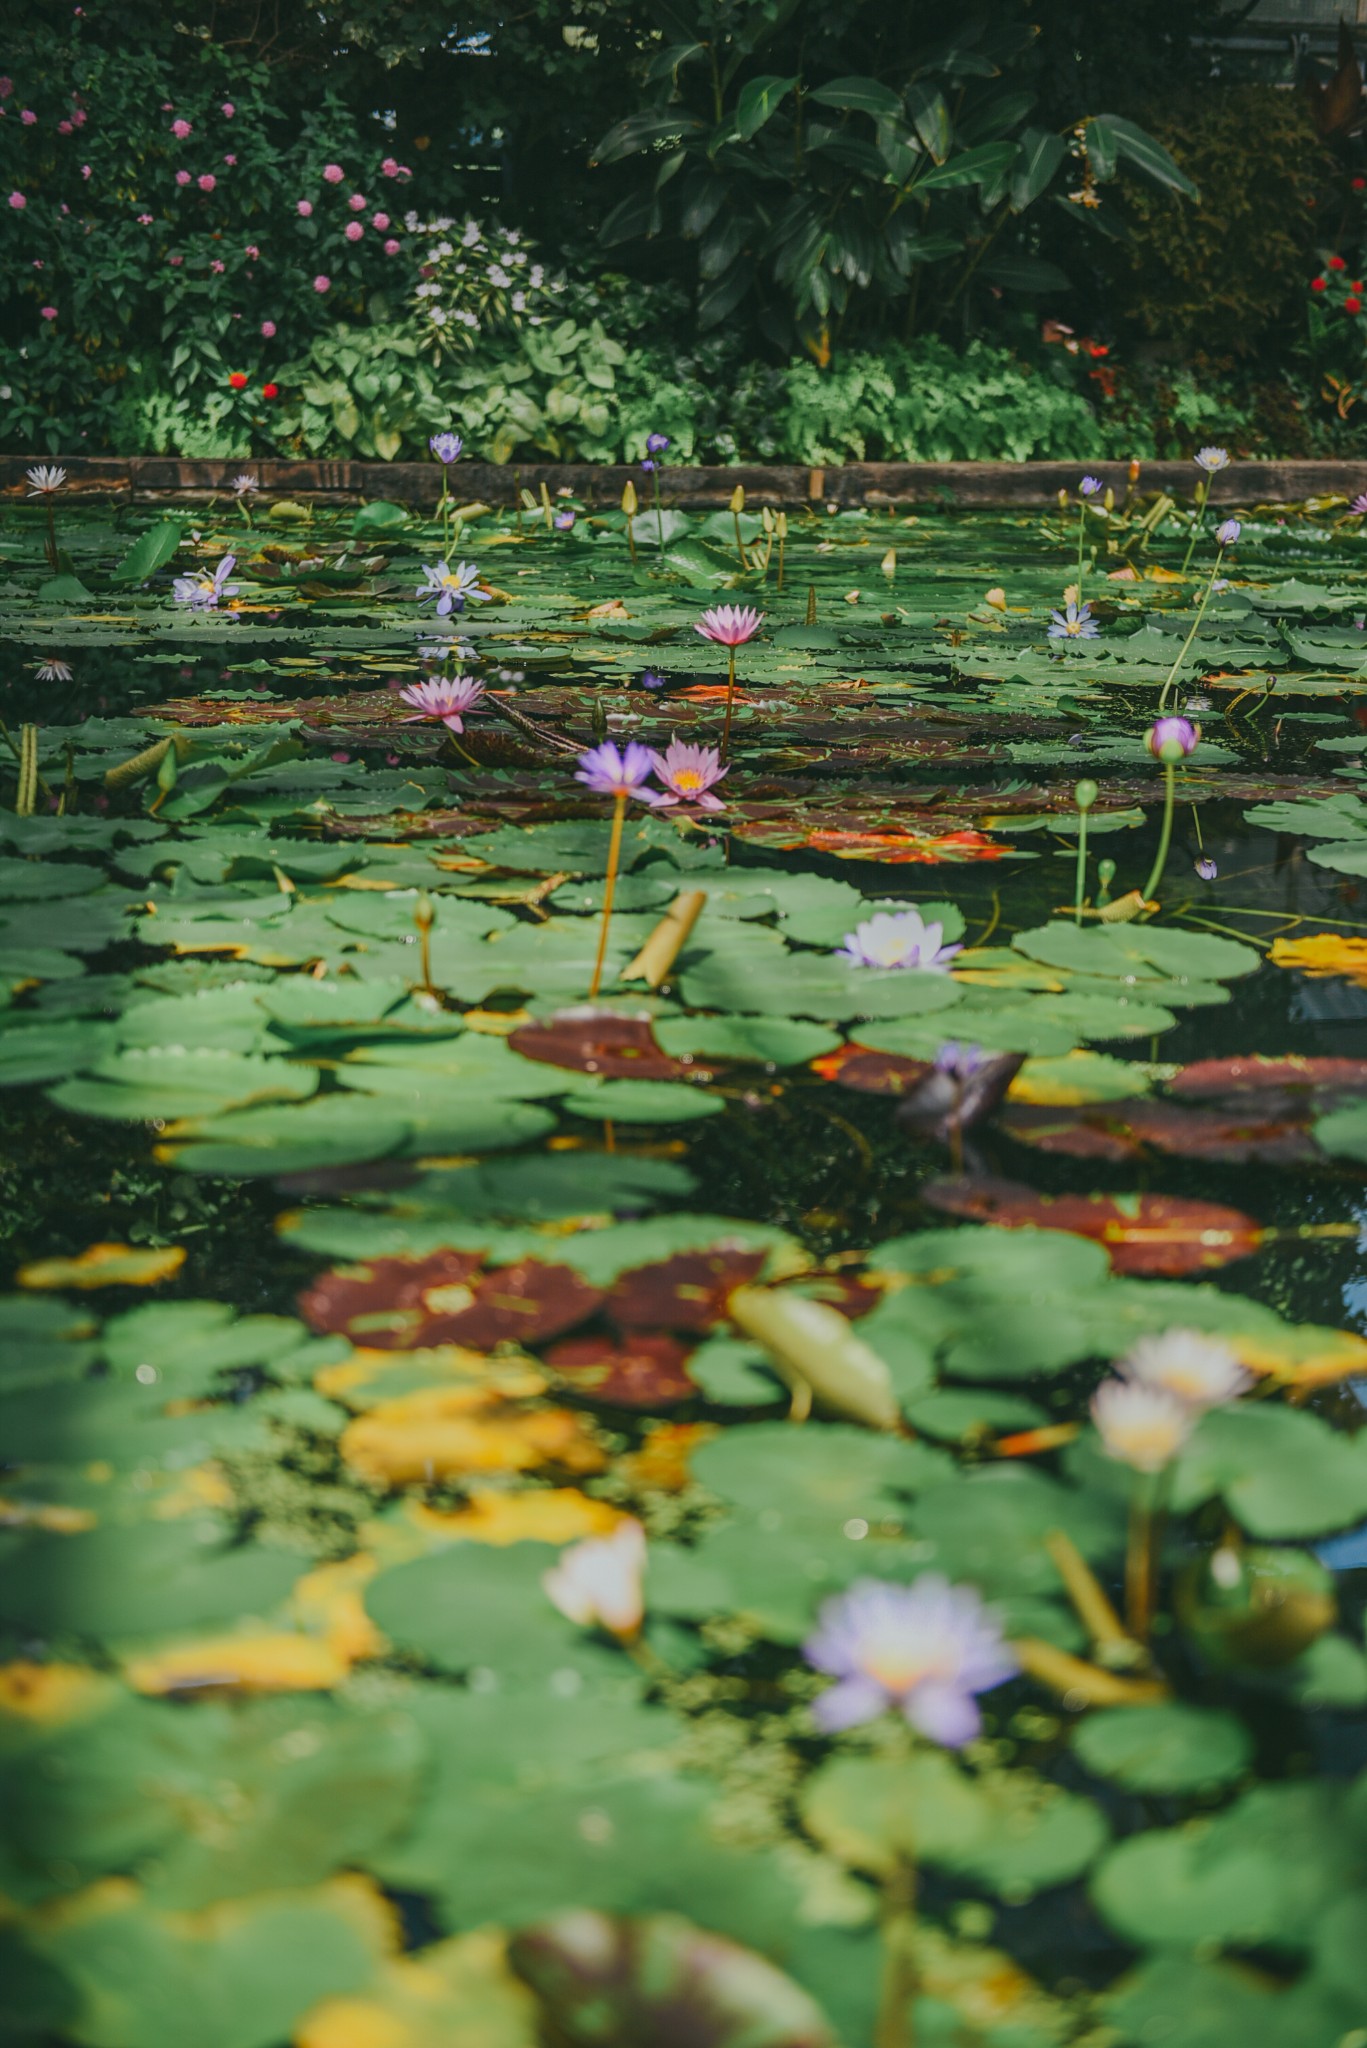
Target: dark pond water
x: 389, y: 1306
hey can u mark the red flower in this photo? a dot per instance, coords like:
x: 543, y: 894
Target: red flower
x: 237, y: 380
x: 1319, y: 284
x: 1352, y: 305
x: 269, y: 390
x: 1360, y: 184
x: 1337, y: 263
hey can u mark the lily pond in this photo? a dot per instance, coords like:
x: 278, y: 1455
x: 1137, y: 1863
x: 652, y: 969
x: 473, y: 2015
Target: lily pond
x: 779, y: 1468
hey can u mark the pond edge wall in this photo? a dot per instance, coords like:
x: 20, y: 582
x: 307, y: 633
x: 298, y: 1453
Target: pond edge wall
x: 940, y: 485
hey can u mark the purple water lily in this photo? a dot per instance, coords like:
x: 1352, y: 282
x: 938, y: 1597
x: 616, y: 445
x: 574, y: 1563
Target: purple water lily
x: 1227, y: 532
x: 1090, y: 485
x: 204, y: 593
x: 1074, y: 623
x: 446, y: 447
x: 448, y: 698
x: 610, y: 771
x: 453, y: 588
x: 926, y: 1650
x: 1211, y: 459
x: 899, y: 938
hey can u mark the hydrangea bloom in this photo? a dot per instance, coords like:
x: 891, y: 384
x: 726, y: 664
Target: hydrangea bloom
x: 900, y: 938
x: 926, y: 1650
x: 1197, y: 1369
x: 204, y: 593
x: 1073, y: 623
x: 689, y: 774
x: 608, y: 771
x: 453, y: 588
x: 448, y: 698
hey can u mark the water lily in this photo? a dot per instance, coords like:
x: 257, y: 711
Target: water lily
x: 900, y: 938
x: 924, y: 1650
x: 452, y: 588
x: 205, y: 592
x: 242, y: 486
x: 448, y: 698
x: 1211, y: 459
x: 1140, y: 1425
x: 446, y: 447
x: 1197, y: 1369
x: 1090, y: 485
x: 598, y: 1583
x: 52, y: 672
x: 1075, y: 622
x: 1227, y: 532
x: 623, y: 773
x: 730, y: 625
x: 689, y: 774
x: 1172, y: 738
x: 45, y: 479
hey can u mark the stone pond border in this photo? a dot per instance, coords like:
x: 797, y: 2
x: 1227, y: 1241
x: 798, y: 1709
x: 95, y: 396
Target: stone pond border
x: 143, y: 479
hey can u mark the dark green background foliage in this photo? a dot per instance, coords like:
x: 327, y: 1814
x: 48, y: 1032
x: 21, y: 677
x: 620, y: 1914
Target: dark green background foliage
x: 762, y: 224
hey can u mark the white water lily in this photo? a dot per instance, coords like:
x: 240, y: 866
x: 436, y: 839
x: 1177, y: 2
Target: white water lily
x: 1141, y: 1426
x: 1198, y: 1370
x: 45, y: 479
x: 598, y: 1583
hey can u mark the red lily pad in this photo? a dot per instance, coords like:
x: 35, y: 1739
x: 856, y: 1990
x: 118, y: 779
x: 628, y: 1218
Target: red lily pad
x: 1154, y: 1234
x: 872, y: 1073
x: 1126, y: 1130
x: 383, y: 1303
x: 1303, y: 1083
x: 687, y: 1292
x: 643, y: 1369
x: 398, y: 1304
x: 600, y: 1042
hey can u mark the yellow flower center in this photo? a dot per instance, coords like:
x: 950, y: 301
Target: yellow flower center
x: 687, y: 778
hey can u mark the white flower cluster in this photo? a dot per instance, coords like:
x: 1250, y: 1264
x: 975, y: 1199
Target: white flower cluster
x: 477, y: 278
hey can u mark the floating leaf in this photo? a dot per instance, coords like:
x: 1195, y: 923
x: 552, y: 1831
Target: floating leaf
x: 1143, y: 1233
x: 106, y: 1265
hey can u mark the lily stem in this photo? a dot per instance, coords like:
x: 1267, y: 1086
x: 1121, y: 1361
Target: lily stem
x: 895, y: 2025
x: 619, y: 811
x: 1139, y: 1571
x: 1081, y: 882
x: 1165, y: 836
x: 730, y: 703
x: 1195, y: 629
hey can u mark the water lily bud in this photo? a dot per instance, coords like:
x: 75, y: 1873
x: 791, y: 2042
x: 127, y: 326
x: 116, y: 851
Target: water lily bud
x: 1105, y: 874
x: 1109, y: 500
x: 629, y: 498
x: 1085, y: 794
x: 738, y: 498
x: 1063, y: 501
x: 766, y: 519
x: 1134, y: 469
x: 1227, y: 532
x: 1171, y: 739
x: 781, y: 524
x: 889, y: 564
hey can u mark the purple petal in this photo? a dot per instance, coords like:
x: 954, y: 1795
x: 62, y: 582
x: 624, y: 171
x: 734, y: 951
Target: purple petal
x: 944, y: 1712
x: 848, y: 1704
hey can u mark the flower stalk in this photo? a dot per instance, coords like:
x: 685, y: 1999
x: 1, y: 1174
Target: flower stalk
x: 619, y: 811
x: 1084, y: 796
x: 894, y: 2026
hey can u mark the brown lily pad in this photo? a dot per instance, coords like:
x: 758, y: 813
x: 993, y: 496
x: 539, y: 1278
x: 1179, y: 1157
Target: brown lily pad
x: 445, y: 1298
x: 1154, y: 1234
x: 872, y: 1073
x: 1307, y: 1084
x: 687, y: 1292
x: 643, y: 1369
x: 1126, y: 1130
x: 590, y: 1041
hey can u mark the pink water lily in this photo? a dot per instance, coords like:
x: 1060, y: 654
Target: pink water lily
x: 730, y: 625
x: 689, y: 774
x: 447, y: 698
